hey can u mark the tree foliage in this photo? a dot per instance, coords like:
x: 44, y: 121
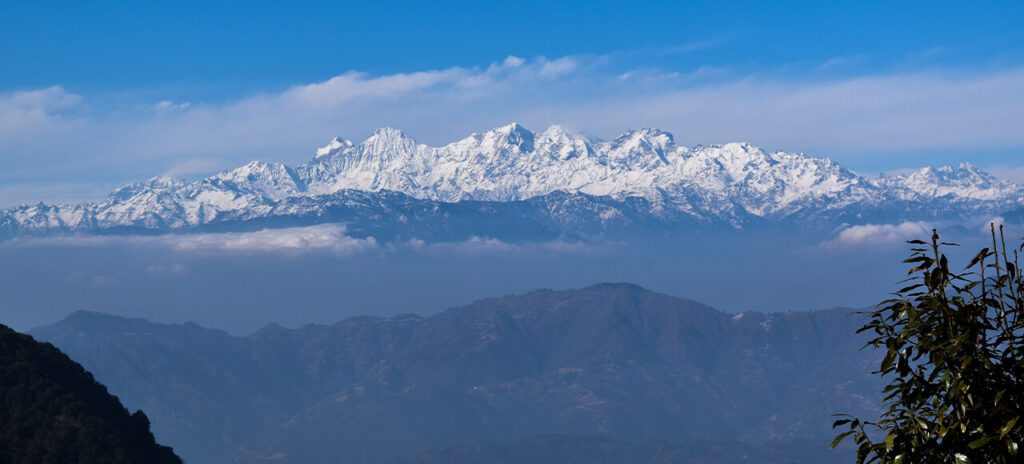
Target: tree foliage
x: 53, y: 412
x: 953, y: 362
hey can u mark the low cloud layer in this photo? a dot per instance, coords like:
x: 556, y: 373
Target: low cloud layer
x: 326, y: 238
x: 493, y: 246
x: 878, y: 236
x: 329, y: 239
x: 54, y: 136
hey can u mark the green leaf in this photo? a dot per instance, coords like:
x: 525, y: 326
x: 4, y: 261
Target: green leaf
x: 907, y: 289
x: 978, y: 257
x: 981, y: 442
x: 840, y: 438
x: 887, y: 361
x: 1008, y: 427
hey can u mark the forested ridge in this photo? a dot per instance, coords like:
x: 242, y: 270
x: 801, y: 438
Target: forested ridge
x: 53, y: 411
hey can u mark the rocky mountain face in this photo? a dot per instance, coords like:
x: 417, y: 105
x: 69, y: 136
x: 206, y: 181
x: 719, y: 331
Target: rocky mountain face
x: 642, y: 172
x: 53, y: 411
x: 612, y: 361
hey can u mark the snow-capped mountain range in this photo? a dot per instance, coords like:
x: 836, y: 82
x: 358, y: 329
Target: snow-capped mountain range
x: 560, y: 180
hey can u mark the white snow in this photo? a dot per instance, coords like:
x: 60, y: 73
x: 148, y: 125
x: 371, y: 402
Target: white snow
x: 512, y: 163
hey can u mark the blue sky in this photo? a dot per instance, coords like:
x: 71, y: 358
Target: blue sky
x: 95, y: 94
x: 225, y: 49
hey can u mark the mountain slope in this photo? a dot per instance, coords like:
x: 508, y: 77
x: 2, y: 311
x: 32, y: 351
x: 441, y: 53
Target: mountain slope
x: 595, y: 450
x: 733, y: 184
x: 612, y: 360
x: 52, y: 411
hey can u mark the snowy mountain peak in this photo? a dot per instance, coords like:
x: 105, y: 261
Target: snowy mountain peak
x: 153, y: 184
x: 639, y: 149
x: 254, y: 170
x: 336, y: 145
x: 512, y: 163
x: 387, y: 135
x: 733, y: 183
x: 163, y: 182
x: 388, y: 142
x: 512, y: 127
x: 274, y: 181
x: 964, y: 180
x: 563, y: 144
x: 745, y: 154
x: 652, y: 138
x: 513, y: 135
x: 650, y: 133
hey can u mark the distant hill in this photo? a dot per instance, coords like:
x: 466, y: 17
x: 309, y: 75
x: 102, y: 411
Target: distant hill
x: 612, y: 360
x: 53, y: 411
x: 595, y: 450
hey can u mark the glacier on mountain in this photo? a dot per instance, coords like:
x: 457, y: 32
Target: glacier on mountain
x: 565, y: 180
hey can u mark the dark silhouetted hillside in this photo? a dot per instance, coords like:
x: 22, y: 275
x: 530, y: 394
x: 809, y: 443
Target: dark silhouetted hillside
x: 53, y: 412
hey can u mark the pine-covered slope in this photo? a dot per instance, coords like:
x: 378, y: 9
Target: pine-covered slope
x: 53, y: 412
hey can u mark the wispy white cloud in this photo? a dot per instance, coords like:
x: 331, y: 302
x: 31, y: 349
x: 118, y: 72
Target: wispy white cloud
x: 878, y: 236
x: 172, y: 105
x: 493, y: 246
x: 328, y: 238
x: 842, y: 62
x: 352, y: 85
x: 557, y: 68
x: 93, y: 280
x: 25, y: 113
x: 997, y: 221
x: 56, y: 135
x: 293, y: 241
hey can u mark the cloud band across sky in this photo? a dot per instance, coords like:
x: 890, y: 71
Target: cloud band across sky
x: 324, y: 239
x: 56, y: 144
